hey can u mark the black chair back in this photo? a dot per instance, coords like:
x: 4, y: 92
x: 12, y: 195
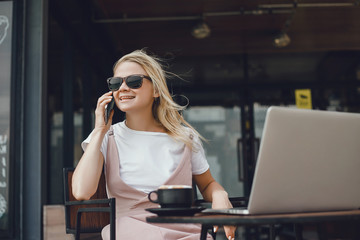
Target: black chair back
x: 88, y: 216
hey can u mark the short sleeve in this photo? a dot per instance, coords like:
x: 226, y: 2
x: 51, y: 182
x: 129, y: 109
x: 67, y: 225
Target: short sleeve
x: 103, y: 148
x: 198, y: 161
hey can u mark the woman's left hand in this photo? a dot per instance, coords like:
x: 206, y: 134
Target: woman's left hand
x: 213, y: 192
x: 221, y: 201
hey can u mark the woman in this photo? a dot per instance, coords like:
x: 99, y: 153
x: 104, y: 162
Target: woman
x: 152, y: 147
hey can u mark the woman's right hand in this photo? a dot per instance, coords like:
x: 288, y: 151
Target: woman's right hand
x: 100, y: 112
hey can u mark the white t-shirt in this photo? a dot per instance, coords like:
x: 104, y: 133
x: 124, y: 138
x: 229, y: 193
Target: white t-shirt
x: 148, y: 159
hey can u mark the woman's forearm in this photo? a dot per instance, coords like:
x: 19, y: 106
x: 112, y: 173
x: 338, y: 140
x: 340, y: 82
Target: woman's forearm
x: 88, y: 171
x: 216, y: 194
x: 212, y: 191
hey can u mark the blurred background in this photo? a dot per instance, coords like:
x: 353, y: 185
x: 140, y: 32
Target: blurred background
x: 235, y: 59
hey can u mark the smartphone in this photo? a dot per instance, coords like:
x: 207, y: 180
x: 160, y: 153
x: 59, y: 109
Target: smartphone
x: 108, y: 109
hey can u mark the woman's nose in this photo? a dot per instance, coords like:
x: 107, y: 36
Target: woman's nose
x: 123, y: 87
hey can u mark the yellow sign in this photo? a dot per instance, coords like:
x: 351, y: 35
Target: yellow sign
x: 303, y: 98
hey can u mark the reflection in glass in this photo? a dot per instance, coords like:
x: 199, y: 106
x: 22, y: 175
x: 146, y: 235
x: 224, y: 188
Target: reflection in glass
x: 5, y: 83
x: 221, y: 127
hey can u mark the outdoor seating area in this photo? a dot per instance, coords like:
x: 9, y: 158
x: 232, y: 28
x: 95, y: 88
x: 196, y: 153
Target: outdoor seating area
x: 111, y: 111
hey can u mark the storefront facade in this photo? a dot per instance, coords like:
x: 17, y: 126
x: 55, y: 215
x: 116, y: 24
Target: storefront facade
x: 22, y: 122
x: 48, y: 91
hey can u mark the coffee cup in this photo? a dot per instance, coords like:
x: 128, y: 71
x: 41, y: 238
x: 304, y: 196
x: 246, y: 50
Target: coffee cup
x: 172, y: 196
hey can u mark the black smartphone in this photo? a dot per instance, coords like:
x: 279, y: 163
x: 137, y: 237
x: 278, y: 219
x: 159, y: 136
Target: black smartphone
x: 108, y: 109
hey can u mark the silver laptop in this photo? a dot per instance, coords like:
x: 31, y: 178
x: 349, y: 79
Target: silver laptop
x: 309, y: 160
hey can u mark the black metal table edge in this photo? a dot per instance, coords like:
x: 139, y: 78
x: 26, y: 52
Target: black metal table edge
x: 209, y: 220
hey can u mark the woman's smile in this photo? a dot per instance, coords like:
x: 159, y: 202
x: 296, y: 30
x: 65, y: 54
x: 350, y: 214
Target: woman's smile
x: 126, y: 98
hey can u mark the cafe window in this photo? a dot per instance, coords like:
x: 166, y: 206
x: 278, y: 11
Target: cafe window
x: 221, y: 127
x: 5, y: 90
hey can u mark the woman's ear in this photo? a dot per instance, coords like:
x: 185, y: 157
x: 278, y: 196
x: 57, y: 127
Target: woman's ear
x: 156, y: 94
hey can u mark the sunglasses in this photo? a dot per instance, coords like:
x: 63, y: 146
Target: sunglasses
x: 132, y: 81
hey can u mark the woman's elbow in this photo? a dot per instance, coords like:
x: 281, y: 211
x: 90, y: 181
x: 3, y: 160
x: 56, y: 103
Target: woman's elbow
x: 80, y: 194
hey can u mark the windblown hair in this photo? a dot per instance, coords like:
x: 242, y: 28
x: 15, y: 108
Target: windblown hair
x: 165, y: 110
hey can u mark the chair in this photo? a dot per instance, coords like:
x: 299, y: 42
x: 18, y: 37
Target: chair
x: 88, y: 216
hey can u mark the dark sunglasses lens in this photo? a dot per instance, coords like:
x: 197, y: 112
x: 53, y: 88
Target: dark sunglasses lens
x: 114, y: 83
x: 134, y: 81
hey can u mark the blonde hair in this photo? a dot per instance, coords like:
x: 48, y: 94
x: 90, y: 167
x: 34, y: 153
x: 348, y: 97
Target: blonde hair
x: 165, y: 110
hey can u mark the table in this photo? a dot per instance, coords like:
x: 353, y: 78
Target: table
x: 208, y: 220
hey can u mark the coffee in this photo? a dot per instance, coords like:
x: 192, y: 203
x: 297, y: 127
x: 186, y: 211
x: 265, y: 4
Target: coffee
x: 173, y: 196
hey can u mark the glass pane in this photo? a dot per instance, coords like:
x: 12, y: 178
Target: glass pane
x: 5, y: 87
x: 221, y: 127
x: 259, y: 119
x: 56, y: 152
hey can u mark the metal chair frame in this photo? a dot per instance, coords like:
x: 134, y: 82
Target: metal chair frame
x: 86, y: 206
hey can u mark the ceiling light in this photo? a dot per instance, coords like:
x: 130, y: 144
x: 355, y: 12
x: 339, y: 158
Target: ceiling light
x: 201, y: 30
x: 282, y: 40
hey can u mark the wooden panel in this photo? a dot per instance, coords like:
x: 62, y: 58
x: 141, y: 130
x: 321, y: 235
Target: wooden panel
x: 90, y: 220
x: 314, y: 28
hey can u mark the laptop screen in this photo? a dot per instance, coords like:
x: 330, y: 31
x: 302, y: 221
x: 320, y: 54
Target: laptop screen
x: 309, y: 160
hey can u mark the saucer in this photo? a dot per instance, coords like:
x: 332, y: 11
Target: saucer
x: 175, y: 211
